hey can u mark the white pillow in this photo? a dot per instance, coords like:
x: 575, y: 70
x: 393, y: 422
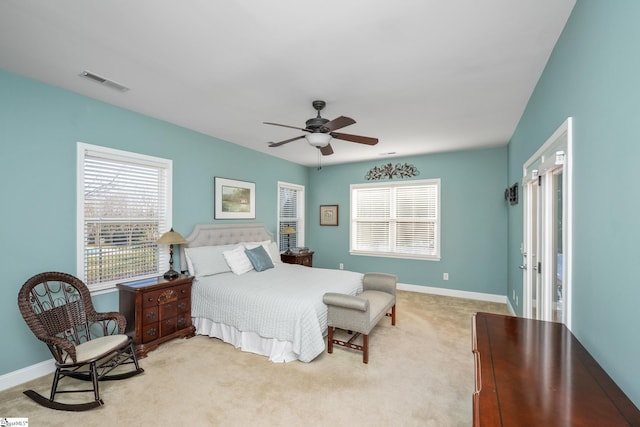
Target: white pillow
x: 274, y: 252
x: 207, y: 260
x: 238, y: 261
x: 270, y: 247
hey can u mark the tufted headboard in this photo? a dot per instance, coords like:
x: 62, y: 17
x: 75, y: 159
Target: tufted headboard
x: 223, y: 234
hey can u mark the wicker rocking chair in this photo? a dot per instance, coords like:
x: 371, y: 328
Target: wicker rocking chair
x: 86, y: 345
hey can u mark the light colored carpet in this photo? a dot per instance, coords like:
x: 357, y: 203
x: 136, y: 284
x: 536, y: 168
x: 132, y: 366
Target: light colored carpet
x: 420, y: 373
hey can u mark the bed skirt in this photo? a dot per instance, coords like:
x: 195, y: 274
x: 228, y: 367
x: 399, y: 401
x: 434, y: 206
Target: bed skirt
x: 276, y: 350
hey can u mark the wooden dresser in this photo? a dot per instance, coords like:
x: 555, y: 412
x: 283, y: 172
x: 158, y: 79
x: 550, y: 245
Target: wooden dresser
x: 534, y: 373
x: 305, y: 258
x: 157, y: 310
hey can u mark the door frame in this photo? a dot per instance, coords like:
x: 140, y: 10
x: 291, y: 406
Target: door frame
x: 544, y: 161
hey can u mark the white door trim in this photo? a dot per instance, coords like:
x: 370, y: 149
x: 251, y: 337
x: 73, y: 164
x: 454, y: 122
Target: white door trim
x: 555, y: 151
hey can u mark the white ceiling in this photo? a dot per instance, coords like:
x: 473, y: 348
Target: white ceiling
x: 423, y: 76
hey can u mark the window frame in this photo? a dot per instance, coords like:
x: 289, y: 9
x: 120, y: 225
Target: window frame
x: 353, y: 220
x: 164, y: 224
x: 300, y: 215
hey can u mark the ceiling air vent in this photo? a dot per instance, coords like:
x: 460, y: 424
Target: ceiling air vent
x: 104, y: 81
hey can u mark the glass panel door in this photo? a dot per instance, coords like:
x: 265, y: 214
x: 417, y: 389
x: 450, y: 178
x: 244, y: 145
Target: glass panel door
x: 557, y: 306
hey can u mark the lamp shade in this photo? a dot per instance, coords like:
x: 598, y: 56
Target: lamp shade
x: 171, y: 238
x: 318, y: 139
x: 288, y: 230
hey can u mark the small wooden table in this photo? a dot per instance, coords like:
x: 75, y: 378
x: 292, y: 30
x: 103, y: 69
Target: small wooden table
x: 157, y: 310
x: 535, y: 373
x: 305, y: 258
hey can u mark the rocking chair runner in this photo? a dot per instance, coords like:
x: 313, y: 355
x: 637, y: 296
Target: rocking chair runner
x: 86, y: 345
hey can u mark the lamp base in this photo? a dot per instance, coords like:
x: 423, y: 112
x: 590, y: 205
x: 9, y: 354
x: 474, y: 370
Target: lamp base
x: 171, y: 274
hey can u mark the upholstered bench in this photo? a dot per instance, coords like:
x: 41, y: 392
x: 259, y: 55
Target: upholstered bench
x: 361, y: 313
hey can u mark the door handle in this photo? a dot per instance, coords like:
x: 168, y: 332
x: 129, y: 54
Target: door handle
x: 523, y: 267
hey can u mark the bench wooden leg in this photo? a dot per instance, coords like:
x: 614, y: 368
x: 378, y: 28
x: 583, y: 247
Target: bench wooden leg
x: 330, y: 340
x: 392, y: 315
x: 365, y: 348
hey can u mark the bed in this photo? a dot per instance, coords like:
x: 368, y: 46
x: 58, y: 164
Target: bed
x: 265, y: 307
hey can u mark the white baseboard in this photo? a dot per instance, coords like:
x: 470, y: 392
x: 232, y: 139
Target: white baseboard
x: 502, y: 299
x: 32, y: 372
x: 511, y: 309
x: 29, y: 373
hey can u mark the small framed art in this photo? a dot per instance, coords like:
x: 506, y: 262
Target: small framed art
x: 328, y: 214
x: 234, y: 199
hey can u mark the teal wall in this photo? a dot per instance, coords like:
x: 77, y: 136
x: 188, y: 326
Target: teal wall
x: 39, y: 128
x: 473, y: 229
x: 593, y: 75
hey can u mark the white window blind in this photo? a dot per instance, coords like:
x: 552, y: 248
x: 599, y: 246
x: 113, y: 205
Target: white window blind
x: 123, y: 207
x: 290, y: 214
x: 396, y: 219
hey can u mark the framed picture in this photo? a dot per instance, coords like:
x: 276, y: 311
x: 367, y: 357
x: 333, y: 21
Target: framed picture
x: 234, y: 199
x: 328, y: 214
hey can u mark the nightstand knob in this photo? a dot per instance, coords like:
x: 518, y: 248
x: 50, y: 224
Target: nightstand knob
x: 182, y: 305
x: 151, y: 332
x: 151, y: 315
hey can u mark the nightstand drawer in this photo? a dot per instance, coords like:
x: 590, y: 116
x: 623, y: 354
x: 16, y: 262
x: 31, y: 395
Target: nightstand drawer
x: 168, y: 326
x: 150, y: 315
x: 184, y: 305
x: 183, y: 291
x: 183, y: 320
x: 150, y: 332
x: 150, y: 299
x: 169, y: 309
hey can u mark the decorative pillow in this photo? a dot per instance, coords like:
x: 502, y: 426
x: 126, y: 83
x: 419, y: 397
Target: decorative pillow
x: 207, y: 260
x: 259, y: 258
x: 270, y: 247
x: 238, y: 261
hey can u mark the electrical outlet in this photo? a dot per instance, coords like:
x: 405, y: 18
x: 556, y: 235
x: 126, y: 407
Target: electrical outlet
x: 445, y: 276
x: 514, y: 295
x: 341, y: 266
x: 516, y: 300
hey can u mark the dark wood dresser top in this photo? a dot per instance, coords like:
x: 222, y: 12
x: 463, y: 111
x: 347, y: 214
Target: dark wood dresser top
x: 535, y: 373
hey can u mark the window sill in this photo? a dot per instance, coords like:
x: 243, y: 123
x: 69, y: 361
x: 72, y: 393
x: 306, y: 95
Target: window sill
x: 396, y: 255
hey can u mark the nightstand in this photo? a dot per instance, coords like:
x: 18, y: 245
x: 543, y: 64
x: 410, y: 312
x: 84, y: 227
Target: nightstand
x: 157, y: 310
x: 305, y: 259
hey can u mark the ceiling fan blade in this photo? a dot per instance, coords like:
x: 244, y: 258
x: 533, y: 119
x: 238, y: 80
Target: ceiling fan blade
x: 326, y: 150
x: 286, y: 126
x: 277, y: 144
x: 338, y: 123
x: 355, y: 138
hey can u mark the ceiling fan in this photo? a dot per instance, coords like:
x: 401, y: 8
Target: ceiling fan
x: 320, y: 131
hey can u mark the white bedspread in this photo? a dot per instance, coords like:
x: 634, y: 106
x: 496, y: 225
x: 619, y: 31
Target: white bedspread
x: 284, y: 303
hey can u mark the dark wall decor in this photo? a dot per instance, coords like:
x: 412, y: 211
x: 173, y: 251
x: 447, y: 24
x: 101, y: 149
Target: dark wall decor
x: 390, y: 171
x: 511, y: 194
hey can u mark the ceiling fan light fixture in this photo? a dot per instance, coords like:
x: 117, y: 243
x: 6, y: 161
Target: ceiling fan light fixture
x: 318, y: 139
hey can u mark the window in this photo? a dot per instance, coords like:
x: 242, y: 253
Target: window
x: 124, y: 204
x: 290, y: 214
x: 396, y: 219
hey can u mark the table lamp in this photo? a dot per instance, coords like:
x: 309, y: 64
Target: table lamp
x: 171, y: 238
x: 289, y: 230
